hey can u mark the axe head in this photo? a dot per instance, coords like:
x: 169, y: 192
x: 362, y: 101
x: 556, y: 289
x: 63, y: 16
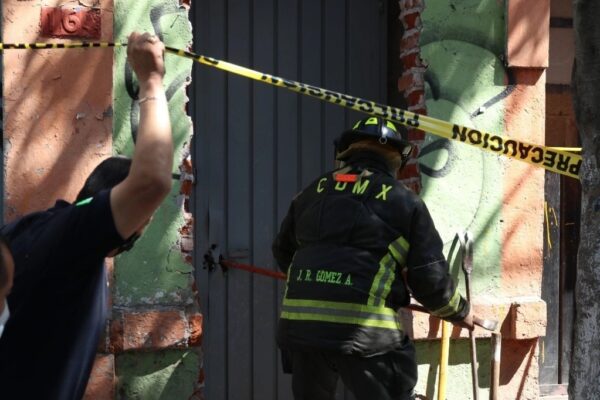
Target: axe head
x: 488, y: 324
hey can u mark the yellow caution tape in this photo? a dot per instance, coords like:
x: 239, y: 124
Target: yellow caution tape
x: 70, y: 45
x: 552, y: 159
x: 569, y: 149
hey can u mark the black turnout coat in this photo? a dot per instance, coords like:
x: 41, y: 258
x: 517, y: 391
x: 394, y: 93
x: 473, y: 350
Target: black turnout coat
x: 355, y: 245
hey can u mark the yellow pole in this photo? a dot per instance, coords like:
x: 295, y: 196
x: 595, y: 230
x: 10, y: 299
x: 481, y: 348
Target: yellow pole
x: 445, y: 351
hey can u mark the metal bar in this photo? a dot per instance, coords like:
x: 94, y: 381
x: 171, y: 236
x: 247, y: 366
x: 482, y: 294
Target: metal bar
x: 466, y: 242
x: 495, y: 376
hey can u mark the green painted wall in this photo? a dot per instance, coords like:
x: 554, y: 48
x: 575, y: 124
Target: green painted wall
x: 462, y: 186
x: 463, y: 42
x: 168, y: 375
x: 458, y: 381
x: 480, y: 22
x: 154, y: 271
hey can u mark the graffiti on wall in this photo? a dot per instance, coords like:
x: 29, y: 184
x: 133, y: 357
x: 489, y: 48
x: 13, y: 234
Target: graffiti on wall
x: 175, y: 85
x: 466, y: 82
x: 154, y: 271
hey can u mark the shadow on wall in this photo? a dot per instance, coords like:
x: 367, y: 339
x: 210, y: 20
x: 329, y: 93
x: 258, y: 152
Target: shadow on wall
x: 461, y: 184
x: 517, y: 358
x: 155, y: 271
x: 177, y: 75
x: 166, y: 375
x: 468, y: 83
x: 39, y: 152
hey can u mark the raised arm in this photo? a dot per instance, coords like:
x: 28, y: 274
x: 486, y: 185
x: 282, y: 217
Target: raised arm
x: 135, y: 199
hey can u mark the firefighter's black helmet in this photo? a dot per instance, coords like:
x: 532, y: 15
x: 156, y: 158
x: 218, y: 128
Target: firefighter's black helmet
x: 385, y: 132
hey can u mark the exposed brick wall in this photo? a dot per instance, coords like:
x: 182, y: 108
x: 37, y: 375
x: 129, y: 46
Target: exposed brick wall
x: 412, y: 83
x: 141, y: 330
x: 187, y: 187
x: 101, y: 385
x: 154, y: 330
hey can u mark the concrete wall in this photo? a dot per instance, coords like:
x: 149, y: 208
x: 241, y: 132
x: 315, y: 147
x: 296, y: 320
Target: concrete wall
x: 66, y: 110
x: 459, y: 56
x: 58, y: 111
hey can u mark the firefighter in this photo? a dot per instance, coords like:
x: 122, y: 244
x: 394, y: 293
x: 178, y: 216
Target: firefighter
x: 356, y: 244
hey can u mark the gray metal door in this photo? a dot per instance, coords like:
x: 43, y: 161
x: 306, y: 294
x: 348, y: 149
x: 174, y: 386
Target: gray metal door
x: 255, y: 147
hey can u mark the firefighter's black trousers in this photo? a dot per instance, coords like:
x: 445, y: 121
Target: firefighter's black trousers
x: 389, y: 376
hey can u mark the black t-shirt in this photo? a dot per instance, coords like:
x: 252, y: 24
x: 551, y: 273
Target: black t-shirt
x: 58, y: 302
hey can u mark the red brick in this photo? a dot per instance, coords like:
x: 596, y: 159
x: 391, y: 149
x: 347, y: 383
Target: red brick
x: 101, y: 385
x: 188, y: 228
x: 418, y: 109
x: 154, y: 330
x: 416, y: 97
x: 195, y: 321
x: 187, y: 187
x: 187, y: 236
x: 186, y: 243
x: 116, y: 334
x: 411, y: 20
x: 416, y: 134
x: 409, y: 171
x: 405, y: 82
x: 410, y: 81
x: 418, y: 144
x: 187, y: 166
x: 413, y: 184
x: 418, y: 75
x: 411, y: 41
x: 408, y: 4
x: 411, y: 60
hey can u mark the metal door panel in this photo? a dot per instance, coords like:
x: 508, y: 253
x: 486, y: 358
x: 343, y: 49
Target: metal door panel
x: 255, y: 146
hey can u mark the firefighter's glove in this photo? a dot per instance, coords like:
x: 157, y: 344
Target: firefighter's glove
x: 466, y: 322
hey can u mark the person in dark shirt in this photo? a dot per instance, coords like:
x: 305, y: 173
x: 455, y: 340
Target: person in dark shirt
x: 356, y: 244
x: 7, y: 271
x: 58, y: 300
